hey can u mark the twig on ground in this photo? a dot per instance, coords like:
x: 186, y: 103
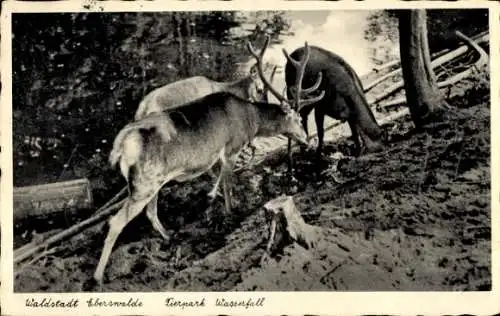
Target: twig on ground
x: 103, y: 213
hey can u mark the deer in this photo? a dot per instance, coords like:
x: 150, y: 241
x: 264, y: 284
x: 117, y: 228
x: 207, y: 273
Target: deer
x: 189, y: 89
x: 183, y: 143
x: 344, y: 98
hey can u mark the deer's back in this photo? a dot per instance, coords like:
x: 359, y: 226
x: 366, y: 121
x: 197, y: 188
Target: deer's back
x: 220, y: 121
x: 338, y: 75
x: 176, y: 94
x: 340, y: 82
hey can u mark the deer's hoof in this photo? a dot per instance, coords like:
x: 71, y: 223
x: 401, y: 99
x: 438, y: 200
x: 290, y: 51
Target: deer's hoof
x: 92, y: 285
x: 373, y: 148
x: 213, y: 195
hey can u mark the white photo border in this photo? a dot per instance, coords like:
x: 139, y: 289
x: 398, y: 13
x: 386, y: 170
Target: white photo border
x: 321, y: 303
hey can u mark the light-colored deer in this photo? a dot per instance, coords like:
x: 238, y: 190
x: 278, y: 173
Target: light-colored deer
x: 190, y: 89
x: 183, y: 143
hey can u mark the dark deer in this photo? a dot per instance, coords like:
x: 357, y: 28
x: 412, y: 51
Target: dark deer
x: 344, y: 98
x: 181, y: 144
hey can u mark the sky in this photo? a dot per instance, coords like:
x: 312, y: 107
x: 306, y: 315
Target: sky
x: 338, y: 31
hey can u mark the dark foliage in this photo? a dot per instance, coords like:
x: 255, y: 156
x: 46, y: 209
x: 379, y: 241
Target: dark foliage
x: 79, y: 77
x: 442, y: 24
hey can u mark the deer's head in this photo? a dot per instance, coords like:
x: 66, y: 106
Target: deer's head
x: 296, y: 103
x: 293, y: 128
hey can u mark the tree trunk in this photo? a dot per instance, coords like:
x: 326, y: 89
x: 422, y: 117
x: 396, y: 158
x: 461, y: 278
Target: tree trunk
x: 422, y: 93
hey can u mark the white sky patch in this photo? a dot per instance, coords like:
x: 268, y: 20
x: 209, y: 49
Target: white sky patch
x: 342, y: 33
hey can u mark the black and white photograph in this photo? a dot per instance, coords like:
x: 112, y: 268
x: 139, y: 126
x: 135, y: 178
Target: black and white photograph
x: 256, y: 150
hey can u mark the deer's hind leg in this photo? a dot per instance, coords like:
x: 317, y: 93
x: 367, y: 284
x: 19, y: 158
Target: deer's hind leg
x: 134, y: 205
x: 152, y: 214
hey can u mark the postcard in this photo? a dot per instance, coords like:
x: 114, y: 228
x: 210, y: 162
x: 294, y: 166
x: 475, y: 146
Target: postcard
x: 249, y: 158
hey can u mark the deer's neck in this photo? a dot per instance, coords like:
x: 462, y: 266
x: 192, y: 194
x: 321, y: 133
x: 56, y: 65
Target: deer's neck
x: 253, y: 119
x: 269, y: 118
x: 239, y: 86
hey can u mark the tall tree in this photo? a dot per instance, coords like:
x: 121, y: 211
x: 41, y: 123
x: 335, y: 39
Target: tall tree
x: 422, y: 93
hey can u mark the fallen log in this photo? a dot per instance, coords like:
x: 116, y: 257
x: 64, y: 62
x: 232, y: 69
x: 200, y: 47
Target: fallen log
x: 434, y: 64
x: 480, y: 62
x: 371, y: 85
x: 393, y: 103
x: 396, y: 62
x: 389, y: 64
x: 478, y: 38
x: 49, y: 199
x: 104, y: 212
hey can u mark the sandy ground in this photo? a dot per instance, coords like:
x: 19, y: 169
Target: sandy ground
x: 414, y: 217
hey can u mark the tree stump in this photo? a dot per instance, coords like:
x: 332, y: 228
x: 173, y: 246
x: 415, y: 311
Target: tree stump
x: 285, y: 219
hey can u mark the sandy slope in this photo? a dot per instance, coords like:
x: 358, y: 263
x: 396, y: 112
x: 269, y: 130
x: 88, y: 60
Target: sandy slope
x: 414, y: 217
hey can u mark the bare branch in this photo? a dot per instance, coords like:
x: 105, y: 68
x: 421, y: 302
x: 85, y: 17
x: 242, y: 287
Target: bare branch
x: 481, y: 62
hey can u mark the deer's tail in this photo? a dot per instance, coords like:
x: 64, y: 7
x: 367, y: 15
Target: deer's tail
x: 144, y: 106
x: 129, y: 143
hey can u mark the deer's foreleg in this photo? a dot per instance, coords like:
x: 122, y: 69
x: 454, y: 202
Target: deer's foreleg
x: 224, y: 172
x: 228, y: 163
x: 253, y: 150
x: 319, y: 116
x: 369, y: 145
x: 213, y: 193
x: 304, y: 114
x: 355, y: 136
x: 227, y: 194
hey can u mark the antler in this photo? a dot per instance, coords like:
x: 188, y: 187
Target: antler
x: 258, y: 57
x: 301, y: 67
x: 266, y: 89
x: 298, y: 103
x: 315, y: 86
x: 309, y: 90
